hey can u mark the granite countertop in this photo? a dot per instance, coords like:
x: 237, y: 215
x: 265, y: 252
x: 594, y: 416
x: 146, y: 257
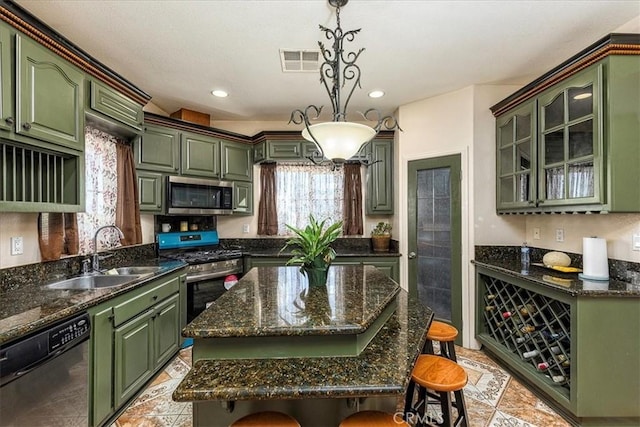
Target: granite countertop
x: 28, y: 306
x: 382, y: 369
x: 569, y: 283
x: 277, y: 301
x: 344, y: 247
x: 354, y: 252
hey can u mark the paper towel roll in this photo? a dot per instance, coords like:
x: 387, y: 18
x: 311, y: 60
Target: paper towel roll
x: 595, y: 265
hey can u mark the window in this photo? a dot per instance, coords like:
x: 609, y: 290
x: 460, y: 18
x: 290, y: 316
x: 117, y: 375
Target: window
x: 101, y: 190
x: 307, y: 189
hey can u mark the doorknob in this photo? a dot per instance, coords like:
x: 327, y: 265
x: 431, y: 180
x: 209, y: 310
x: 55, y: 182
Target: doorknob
x: 412, y: 255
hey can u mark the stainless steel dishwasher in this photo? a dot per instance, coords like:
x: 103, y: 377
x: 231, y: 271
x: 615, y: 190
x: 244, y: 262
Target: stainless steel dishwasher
x: 44, y: 377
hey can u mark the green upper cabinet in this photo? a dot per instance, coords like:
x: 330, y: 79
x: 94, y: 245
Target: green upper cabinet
x: 6, y: 80
x: 237, y: 161
x: 49, y: 96
x: 200, y: 155
x: 379, y: 197
x: 150, y: 185
x: 114, y: 105
x: 575, y: 146
x: 570, y: 141
x: 516, y: 157
x: 243, y: 198
x: 284, y: 150
x: 158, y: 149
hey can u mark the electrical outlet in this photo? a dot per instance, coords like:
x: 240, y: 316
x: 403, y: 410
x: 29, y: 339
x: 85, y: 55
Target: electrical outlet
x: 536, y: 233
x: 559, y: 235
x: 245, y: 228
x: 17, y: 246
x: 635, y: 242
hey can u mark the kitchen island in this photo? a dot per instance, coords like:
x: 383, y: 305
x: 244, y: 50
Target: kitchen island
x: 319, y: 355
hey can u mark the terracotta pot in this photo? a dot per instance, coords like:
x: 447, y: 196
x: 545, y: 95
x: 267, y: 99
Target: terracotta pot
x: 380, y: 243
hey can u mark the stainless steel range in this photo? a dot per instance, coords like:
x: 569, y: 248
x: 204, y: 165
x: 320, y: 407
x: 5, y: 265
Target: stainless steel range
x: 209, y: 264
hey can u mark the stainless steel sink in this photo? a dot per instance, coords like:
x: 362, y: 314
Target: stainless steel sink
x: 93, y: 282
x: 136, y: 270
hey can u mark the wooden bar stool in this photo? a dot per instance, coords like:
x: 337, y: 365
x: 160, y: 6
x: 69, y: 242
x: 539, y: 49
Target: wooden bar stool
x: 445, y: 334
x: 442, y: 376
x: 266, y: 419
x: 373, y: 419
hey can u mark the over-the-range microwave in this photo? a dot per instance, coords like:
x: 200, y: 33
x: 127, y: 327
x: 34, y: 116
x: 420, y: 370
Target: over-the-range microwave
x: 197, y: 196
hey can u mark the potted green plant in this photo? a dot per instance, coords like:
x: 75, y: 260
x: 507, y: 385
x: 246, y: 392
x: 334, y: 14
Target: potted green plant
x: 381, y: 237
x: 312, y: 248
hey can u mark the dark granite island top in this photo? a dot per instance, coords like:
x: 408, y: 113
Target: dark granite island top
x: 316, y: 388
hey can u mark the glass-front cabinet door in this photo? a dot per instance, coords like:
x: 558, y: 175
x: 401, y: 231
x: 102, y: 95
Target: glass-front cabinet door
x: 570, y: 141
x: 516, y: 158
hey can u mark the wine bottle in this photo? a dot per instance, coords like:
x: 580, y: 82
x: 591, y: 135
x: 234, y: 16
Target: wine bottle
x: 555, y: 349
x: 506, y: 314
x: 530, y: 354
x: 490, y: 296
x: 527, y: 328
x: 542, y: 366
x: 528, y: 310
x: 490, y: 308
x: 551, y: 336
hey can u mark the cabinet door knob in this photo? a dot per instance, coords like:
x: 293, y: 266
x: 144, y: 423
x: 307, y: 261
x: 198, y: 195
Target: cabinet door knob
x: 155, y: 297
x: 412, y: 255
x: 26, y: 126
x: 9, y: 120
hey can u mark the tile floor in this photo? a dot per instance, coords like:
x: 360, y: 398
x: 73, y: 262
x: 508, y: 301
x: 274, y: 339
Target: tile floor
x: 493, y: 397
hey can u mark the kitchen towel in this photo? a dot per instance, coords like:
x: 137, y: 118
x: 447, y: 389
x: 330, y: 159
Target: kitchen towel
x: 595, y: 264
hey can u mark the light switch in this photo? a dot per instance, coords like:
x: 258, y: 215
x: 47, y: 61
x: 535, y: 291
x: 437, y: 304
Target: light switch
x: 635, y: 245
x: 245, y: 228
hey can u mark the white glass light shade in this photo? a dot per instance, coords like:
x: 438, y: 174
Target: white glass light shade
x: 339, y: 140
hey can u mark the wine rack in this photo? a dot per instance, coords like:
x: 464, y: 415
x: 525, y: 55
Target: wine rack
x: 533, y: 326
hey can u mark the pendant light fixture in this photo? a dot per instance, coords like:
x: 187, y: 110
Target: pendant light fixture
x: 339, y: 139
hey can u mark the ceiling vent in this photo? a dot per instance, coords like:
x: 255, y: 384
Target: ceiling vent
x: 300, y: 61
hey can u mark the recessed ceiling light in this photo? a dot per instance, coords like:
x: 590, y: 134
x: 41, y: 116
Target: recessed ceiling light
x: 376, y: 94
x: 219, y: 93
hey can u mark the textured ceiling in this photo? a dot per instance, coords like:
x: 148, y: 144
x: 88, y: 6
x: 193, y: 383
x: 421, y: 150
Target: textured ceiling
x: 178, y: 51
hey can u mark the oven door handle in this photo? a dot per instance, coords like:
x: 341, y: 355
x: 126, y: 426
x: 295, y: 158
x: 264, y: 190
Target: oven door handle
x: 216, y: 275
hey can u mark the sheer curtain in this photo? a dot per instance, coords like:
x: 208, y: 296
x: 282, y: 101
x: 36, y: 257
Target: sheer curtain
x: 304, y: 189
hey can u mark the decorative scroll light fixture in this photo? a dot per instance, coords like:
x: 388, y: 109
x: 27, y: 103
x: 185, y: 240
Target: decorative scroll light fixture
x: 339, y: 139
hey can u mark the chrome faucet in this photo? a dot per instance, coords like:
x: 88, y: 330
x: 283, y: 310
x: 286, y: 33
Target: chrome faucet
x: 95, y: 258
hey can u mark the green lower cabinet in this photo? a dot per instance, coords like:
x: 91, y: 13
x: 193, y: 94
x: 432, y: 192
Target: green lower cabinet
x: 390, y: 265
x: 133, y: 336
x: 582, y: 353
x: 150, y: 191
x: 101, y: 365
x: 133, y: 357
x: 166, y: 330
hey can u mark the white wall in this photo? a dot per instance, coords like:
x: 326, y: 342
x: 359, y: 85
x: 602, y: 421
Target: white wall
x: 458, y: 122
x: 23, y: 225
